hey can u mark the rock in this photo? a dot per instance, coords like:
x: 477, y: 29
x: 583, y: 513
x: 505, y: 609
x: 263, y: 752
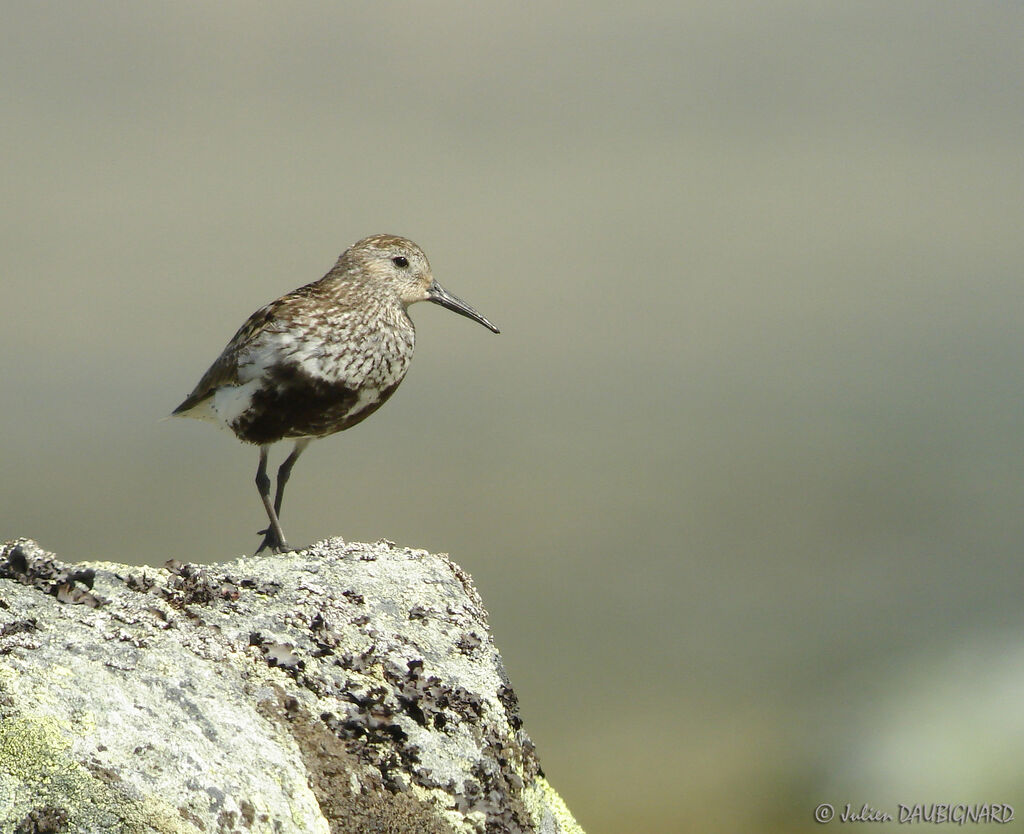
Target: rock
x: 343, y: 688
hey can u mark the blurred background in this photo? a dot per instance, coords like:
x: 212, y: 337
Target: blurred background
x: 740, y: 482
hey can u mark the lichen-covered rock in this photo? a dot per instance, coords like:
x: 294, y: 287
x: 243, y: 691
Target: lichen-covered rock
x: 343, y: 688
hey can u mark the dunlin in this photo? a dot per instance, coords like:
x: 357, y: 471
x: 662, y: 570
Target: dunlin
x: 321, y: 358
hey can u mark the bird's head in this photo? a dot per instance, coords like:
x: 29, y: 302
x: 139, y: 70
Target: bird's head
x: 400, y: 265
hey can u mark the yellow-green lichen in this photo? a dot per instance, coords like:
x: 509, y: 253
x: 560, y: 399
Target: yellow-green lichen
x: 542, y: 800
x: 31, y: 751
x: 36, y: 770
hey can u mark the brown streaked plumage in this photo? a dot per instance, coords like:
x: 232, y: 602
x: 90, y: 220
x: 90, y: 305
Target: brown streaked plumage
x: 321, y: 358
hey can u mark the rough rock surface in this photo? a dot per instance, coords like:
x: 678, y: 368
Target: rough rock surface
x: 343, y: 688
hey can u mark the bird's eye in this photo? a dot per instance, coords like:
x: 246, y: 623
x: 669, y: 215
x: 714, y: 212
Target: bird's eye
x: 400, y: 261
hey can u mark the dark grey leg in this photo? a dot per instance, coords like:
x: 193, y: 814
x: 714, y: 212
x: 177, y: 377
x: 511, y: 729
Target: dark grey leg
x: 273, y: 536
x: 285, y: 471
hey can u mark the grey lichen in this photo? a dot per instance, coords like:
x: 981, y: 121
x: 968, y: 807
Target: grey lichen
x: 343, y: 688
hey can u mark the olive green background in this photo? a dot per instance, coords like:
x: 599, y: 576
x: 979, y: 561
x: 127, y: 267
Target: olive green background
x: 741, y: 480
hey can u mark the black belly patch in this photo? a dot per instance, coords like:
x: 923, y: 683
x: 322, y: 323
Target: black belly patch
x: 292, y: 404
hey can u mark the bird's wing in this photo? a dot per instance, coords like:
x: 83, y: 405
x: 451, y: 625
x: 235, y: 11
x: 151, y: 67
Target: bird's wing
x: 225, y: 369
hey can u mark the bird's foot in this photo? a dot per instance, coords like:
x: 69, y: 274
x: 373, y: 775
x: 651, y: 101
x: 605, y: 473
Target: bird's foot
x: 271, y: 541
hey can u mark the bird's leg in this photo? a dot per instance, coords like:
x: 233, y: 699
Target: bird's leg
x: 273, y: 535
x: 285, y: 471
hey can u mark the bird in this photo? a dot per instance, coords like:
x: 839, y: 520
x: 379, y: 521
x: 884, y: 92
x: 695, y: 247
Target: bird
x: 320, y: 359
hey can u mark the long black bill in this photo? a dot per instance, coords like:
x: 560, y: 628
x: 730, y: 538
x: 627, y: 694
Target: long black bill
x: 439, y: 295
